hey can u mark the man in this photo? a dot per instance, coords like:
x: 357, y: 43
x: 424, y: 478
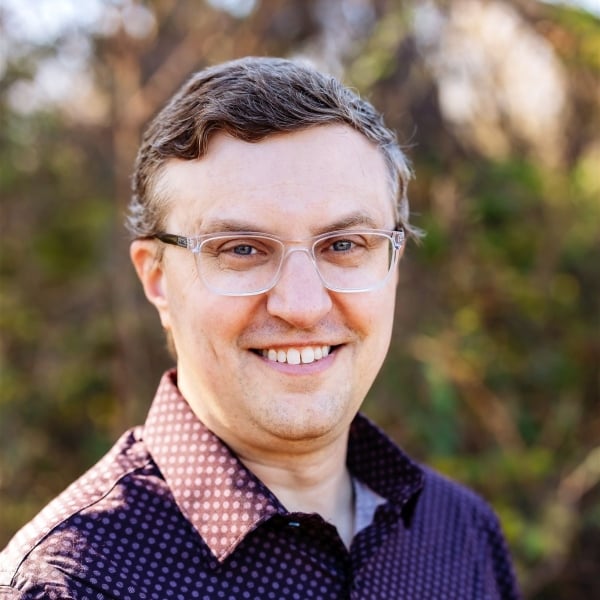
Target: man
x: 269, y: 214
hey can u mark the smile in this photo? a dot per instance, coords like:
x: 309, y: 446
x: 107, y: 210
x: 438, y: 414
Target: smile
x: 296, y: 356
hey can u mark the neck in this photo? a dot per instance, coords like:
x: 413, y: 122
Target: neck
x: 311, y: 482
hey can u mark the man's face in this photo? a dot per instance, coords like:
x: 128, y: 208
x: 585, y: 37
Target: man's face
x: 294, y: 186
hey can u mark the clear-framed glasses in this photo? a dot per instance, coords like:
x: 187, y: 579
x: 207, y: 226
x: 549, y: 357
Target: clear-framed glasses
x: 250, y: 263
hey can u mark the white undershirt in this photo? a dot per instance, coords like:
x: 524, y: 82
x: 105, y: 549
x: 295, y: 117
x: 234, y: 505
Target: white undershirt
x: 366, y: 502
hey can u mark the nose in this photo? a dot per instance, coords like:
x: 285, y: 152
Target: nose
x: 299, y: 296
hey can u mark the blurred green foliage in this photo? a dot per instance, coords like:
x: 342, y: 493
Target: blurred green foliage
x: 494, y: 370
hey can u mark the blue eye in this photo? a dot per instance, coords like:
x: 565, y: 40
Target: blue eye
x: 342, y: 245
x: 243, y: 250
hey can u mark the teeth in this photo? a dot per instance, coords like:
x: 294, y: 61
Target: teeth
x: 295, y: 356
x: 308, y: 355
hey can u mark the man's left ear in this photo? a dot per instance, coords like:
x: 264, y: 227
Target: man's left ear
x: 149, y: 268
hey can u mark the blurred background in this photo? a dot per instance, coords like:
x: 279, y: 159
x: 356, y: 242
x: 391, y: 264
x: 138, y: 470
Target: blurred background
x: 494, y: 370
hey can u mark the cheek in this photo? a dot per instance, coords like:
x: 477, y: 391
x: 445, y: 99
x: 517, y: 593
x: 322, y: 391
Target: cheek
x: 376, y: 310
x: 383, y: 321
x: 372, y: 317
x: 209, y: 324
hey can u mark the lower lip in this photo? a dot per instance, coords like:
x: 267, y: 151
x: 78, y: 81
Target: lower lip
x: 312, y: 368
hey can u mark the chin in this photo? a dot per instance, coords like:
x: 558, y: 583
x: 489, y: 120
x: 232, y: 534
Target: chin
x: 311, y: 424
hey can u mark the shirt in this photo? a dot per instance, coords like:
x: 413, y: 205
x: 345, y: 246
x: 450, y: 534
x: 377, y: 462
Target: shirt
x: 171, y: 512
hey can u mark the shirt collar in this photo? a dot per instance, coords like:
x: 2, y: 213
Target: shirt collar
x: 376, y: 460
x: 222, y: 499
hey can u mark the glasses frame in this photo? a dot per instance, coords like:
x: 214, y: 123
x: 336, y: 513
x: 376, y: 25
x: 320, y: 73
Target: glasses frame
x: 194, y: 244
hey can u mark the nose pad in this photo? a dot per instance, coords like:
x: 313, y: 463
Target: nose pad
x: 306, y: 251
x: 299, y: 296
x: 309, y: 271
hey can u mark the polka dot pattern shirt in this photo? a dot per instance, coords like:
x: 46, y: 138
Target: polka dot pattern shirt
x: 170, y: 512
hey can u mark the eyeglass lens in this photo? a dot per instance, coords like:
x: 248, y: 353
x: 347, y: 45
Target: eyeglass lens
x: 355, y: 261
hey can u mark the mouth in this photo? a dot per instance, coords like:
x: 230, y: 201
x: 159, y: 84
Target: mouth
x: 296, y: 355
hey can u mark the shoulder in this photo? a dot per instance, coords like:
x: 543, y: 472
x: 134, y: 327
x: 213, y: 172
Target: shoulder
x: 452, y: 539
x: 448, y: 498
x: 458, y: 511
x: 460, y: 523
x: 441, y: 487
x: 52, y: 543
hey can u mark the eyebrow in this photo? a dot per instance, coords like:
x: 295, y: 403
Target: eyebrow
x: 231, y: 225
x: 356, y: 219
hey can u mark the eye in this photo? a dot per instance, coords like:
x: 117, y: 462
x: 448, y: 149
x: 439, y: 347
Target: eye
x: 242, y: 250
x: 236, y: 247
x: 238, y: 253
x: 342, y: 245
x: 253, y: 248
x: 345, y: 249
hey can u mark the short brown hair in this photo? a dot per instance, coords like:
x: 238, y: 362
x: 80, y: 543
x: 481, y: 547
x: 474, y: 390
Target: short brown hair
x: 250, y: 99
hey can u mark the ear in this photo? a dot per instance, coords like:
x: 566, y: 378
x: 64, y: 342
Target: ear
x: 149, y: 268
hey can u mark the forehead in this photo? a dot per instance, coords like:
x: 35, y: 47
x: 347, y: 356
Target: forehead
x: 298, y: 180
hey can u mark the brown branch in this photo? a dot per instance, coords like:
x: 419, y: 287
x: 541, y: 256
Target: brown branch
x: 561, y: 520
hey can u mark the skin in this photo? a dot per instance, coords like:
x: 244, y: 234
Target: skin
x: 288, y: 423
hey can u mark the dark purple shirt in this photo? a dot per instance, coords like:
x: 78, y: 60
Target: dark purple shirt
x: 170, y: 512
